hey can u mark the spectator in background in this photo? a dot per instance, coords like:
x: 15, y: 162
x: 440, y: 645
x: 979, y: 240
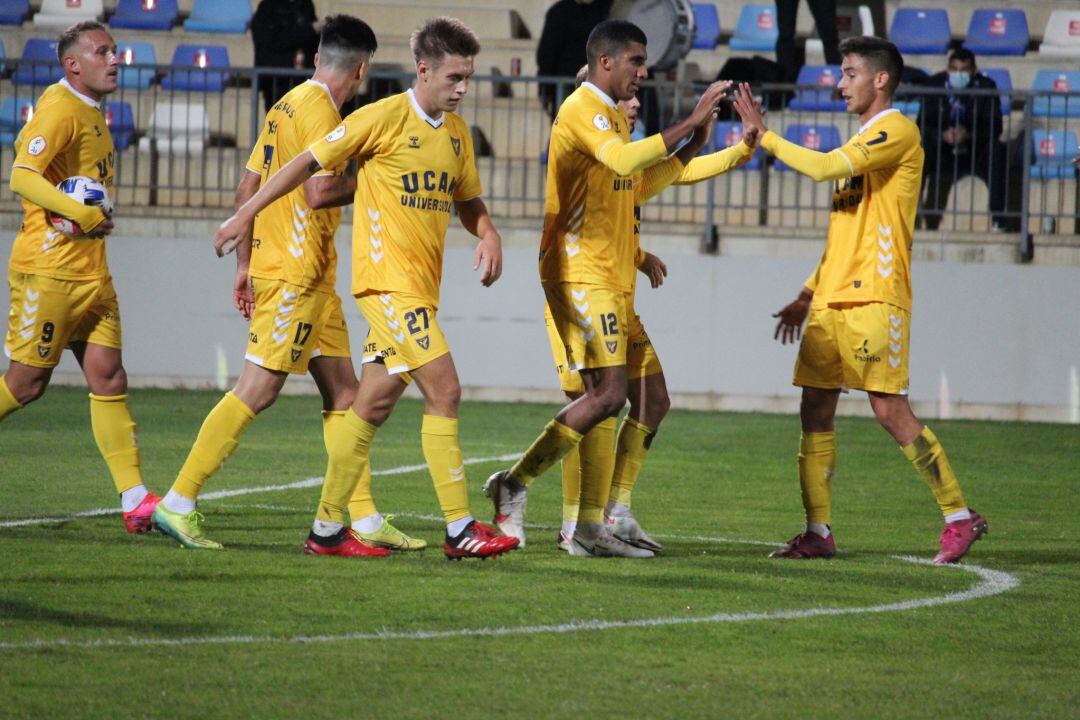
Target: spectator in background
x: 824, y: 12
x: 561, y: 50
x: 286, y: 35
x: 961, y: 134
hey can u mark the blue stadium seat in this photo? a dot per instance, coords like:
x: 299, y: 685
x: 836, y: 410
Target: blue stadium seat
x: 756, y: 29
x: 136, y: 53
x: 219, y: 16
x: 1057, y: 81
x: 726, y: 134
x: 824, y: 76
x: 13, y: 12
x: 920, y: 31
x: 145, y: 14
x: 201, y: 58
x: 14, y: 113
x: 1003, y: 79
x: 822, y: 138
x: 121, y: 122
x: 1053, y: 154
x: 997, y: 32
x: 44, y: 51
x: 706, y: 26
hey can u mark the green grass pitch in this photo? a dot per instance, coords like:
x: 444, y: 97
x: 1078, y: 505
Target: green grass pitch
x: 98, y: 624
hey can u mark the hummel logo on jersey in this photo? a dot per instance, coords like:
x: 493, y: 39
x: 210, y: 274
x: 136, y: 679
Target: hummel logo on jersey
x: 882, y: 137
x: 414, y: 141
x: 456, y: 144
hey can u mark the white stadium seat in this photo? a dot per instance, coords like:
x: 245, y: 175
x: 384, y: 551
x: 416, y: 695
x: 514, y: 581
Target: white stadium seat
x: 1062, y: 35
x: 62, y: 13
x: 177, y: 129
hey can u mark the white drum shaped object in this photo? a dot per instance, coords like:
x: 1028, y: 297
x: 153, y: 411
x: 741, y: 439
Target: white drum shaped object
x: 669, y: 26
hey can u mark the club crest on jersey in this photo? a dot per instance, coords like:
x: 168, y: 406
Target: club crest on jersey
x: 43, y: 351
x: 36, y: 146
x: 456, y: 144
x: 601, y: 122
x: 424, y: 342
x: 612, y: 345
x: 336, y: 134
x: 414, y: 141
x: 295, y: 354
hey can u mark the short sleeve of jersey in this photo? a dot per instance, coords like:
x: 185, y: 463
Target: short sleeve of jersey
x: 884, y: 145
x: 359, y: 134
x: 42, y: 138
x: 592, y: 133
x: 469, y: 185
x: 314, y: 124
x: 254, y: 162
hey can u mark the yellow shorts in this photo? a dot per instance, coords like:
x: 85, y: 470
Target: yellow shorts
x: 404, y: 334
x: 592, y: 324
x: 293, y: 324
x: 641, y: 358
x: 857, y: 347
x: 48, y: 313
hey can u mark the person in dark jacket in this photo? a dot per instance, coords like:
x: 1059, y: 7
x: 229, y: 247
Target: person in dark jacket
x: 286, y: 35
x: 561, y: 50
x: 961, y: 134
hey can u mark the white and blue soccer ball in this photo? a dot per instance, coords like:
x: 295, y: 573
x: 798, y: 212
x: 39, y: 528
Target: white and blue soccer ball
x: 85, y: 190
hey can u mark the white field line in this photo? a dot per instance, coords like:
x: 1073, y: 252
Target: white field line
x: 992, y: 582
x: 218, y: 494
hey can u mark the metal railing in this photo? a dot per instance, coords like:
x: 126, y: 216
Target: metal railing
x: 184, y: 146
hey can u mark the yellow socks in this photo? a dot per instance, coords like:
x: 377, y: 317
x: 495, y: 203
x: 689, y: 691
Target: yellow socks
x: 439, y: 440
x: 571, y: 486
x: 817, y: 463
x: 114, y: 431
x: 8, y: 403
x: 218, y: 438
x: 633, y: 445
x: 552, y: 445
x: 928, y: 457
x: 348, y: 474
x: 597, y: 461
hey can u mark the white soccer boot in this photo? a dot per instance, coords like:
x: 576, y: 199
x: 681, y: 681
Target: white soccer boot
x: 627, y: 529
x: 597, y: 541
x: 509, y: 500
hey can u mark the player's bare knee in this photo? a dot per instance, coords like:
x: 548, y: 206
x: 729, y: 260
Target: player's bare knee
x: 611, y: 399
x: 29, y: 390
x: 111, y: 383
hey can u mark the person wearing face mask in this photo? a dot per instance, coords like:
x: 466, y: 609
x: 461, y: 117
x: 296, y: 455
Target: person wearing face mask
x: 961, y: 136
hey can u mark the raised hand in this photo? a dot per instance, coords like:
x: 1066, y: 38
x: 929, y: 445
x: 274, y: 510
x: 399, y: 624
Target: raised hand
x: 749, y: 110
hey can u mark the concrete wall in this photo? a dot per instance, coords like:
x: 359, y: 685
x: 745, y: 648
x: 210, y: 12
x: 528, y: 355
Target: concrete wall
x: 1005, y: 336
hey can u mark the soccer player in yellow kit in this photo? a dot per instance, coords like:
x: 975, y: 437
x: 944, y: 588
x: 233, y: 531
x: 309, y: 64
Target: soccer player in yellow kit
x: 587, y: 268
x: 416, y: 164
x: 591, y: 467
x: 297, y: 323
x: 61, y: 292
x: 859, y: 298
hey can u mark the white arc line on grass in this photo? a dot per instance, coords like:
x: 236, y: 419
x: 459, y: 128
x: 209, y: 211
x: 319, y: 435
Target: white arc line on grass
x: 994, y: 582
x: 299, y: 484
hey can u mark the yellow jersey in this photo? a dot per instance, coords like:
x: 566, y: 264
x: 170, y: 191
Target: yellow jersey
x: 589, y: 230
x: 66, y: 136
x: 875, y: 197
x: 292, y: 242
x: 412, y: 168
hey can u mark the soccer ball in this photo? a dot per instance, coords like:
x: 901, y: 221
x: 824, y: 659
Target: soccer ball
x: 82, y: 189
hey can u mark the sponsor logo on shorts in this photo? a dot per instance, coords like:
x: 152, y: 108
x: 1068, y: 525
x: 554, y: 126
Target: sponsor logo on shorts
x: 369, y: 348
x: 424, y: 342
x: 253, y: 338
x: 612, y: 345
x: 863, y: 354
x: 43, y: 351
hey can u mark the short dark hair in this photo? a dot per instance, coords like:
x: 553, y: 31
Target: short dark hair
x: 443, y: 36
x: 344, y: 40
x: 612, y: 37
x: 963, y: 55
x: 71, y: 36
x: 881, y: 55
